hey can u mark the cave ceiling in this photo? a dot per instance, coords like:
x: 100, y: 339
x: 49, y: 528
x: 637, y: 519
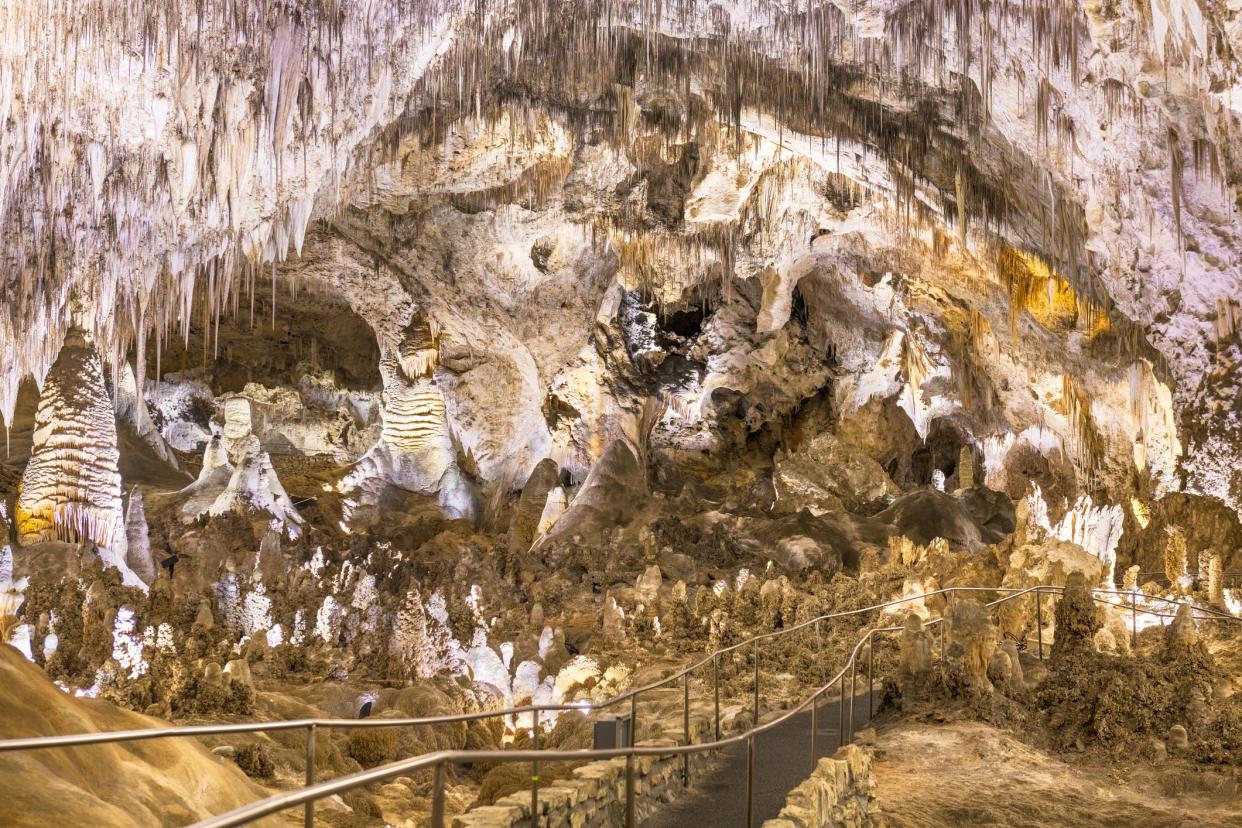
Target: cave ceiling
x: 1001, y: 216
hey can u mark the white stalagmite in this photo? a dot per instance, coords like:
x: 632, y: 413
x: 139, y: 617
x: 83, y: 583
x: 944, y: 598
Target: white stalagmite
x: 131, y: 408
x: 237, y: 475
x: 71, y: 489
x: 553, y: 508
x: 415, y: 451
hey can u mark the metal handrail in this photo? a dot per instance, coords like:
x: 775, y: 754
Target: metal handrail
x: 308, y: 795
x: 437, y: 760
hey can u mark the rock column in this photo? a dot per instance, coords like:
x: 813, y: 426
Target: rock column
x: 71, y: 489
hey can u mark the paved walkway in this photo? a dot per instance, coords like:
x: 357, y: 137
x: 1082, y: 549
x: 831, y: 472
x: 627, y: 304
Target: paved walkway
x: 782, y: 762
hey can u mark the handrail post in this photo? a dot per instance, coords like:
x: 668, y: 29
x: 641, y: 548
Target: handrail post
x: 534, y: 773
x: 1039, y: 621
x: 853, y: 692
x: 437, y: 798
x: 756, y: 682
x: 629, y: 788
x: 633, y: 720
x: 309, y: 813
x: 716, y: 682
x: 685, y: 727
x: 750, y: 781
x: 841, y: 712
x: 819, y: 648
x: 870, y: 677
x: 814, y: 725
x: 1134, y: 621
x: 944, y: 642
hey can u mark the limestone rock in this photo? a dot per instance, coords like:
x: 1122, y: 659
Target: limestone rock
x: 916, y: 649
x: 966, y: 468
x: 1179, y: 741
x: 238, y: 671
x: 611, y: 495
x: 972, y: 640
x: 138, y: 555
x: 1181, y: 635
x: 71, y: 488
x: 554, y: 506
x: 827, y: 474
x: 1078, y: 618
x: 648, y: 585
x: 523, y: 528
x: 613, y: 620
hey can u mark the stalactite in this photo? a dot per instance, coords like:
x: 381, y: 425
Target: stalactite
x: 1176, y: 161
x: 256, y: 89
x: 1089, y: 447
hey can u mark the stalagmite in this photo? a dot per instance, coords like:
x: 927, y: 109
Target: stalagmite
x: 416, y: 450
x: 138, y: 555
x: 524, y: 526
x: 237, y: 475
x: 1078, y: 619
x: 131, y: 408
x: 1175, y: 561
x: 555, y: 505
x: 972, y: 640
x: 71, y: 489
x: 916, y: 649
x: 966, y: 468
x: 1212, y: 565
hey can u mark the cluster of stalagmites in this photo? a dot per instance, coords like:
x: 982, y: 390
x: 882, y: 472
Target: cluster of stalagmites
x: 237, y: 475
x: 1166, y: 697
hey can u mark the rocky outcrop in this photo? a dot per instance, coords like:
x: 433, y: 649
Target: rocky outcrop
x: 1078, y: 619
x: 237, y: 475
x: 972, y: 640
x: 524, y: 525
x: 611, y: 496
x: 827, y: 474
x: 139, y: 783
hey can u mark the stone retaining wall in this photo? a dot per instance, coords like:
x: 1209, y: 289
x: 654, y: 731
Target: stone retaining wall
x: 840, y: 793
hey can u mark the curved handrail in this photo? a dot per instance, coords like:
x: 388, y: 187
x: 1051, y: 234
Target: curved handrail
x: 311, y: 793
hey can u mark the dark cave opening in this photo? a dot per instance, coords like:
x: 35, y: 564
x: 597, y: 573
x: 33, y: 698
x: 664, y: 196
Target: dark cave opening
x: 687, y: 322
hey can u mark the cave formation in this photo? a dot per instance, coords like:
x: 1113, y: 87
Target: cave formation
x: 434, y: 356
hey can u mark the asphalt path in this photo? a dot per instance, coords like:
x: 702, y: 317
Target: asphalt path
x: 717, y: 799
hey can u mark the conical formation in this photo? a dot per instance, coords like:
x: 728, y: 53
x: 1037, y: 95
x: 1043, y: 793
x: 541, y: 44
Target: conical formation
x: 71, y: 490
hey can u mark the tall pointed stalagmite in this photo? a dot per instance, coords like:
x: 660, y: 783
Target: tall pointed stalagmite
x: 71, y: 489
